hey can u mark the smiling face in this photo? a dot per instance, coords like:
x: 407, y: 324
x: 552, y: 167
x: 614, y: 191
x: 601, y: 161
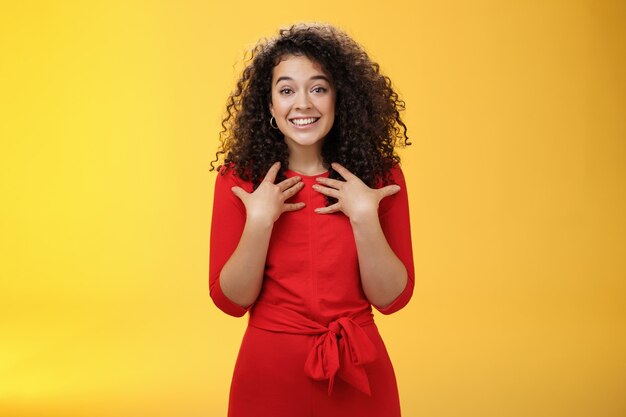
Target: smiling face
x: 303, y: 102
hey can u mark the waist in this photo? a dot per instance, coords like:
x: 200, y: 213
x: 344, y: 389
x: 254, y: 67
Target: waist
x: 277, y: 318
x: 341, y: 347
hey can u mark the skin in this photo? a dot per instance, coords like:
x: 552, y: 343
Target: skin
x: 306, y: 94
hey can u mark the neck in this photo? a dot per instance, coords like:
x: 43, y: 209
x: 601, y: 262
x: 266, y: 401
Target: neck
x: 306, y: 160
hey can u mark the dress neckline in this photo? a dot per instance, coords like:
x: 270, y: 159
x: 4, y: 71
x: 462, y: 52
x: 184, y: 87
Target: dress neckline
x: 292, y: 173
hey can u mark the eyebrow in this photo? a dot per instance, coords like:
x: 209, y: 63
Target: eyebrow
x: 315, y: 77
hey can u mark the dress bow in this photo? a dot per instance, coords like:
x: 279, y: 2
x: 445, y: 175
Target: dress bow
x: 341, y: 351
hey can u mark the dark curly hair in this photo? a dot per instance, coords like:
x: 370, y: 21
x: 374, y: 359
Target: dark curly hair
x: 367, y: 123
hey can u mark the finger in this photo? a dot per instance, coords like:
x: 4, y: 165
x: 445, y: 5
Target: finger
x: 331, y: 192
x: 342, y: 171
x: 290, y: 192
x: 330, y: 182
x: 293, y: 206
x: 333, y: 208
x: 288, y: 183
x: 272, y: 172
x: 389, y: 190
x: 239, y: 192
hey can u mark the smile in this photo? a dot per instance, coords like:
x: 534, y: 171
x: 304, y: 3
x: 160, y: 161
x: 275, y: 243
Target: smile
x: 304, y: 122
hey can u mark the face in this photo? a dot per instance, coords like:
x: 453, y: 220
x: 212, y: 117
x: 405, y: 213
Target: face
x: 303, y: 101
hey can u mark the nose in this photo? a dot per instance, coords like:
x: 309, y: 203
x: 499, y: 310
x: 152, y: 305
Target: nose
x: 303, y: 101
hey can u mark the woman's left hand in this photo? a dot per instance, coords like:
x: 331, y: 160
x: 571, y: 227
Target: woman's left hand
x: 355, y: 199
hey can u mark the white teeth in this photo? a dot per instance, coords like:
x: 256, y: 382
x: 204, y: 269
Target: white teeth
x: 302, y: 122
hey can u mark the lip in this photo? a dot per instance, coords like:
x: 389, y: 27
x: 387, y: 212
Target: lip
x: 305, y: 126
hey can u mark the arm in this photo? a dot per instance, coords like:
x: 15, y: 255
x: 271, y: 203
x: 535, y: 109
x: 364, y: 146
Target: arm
x: 383, y: 243
x: 242, y: 275
x: 383, y: 275
x: 240, y: 233
x: 395, y: 223
x: 227, y: 224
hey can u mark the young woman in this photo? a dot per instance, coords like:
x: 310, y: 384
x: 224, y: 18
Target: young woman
x: 310, y: 227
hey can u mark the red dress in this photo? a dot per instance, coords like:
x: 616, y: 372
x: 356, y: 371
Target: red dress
x: 311, y: 347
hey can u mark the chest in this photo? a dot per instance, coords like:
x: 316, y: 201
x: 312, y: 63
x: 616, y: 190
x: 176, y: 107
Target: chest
x: 304, y: 236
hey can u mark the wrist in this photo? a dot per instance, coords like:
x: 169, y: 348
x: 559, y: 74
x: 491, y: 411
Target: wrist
x: 259, y: 221
x: 364, y: 218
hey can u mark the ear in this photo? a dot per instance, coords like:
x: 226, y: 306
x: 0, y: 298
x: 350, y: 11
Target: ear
x: 271, y: 108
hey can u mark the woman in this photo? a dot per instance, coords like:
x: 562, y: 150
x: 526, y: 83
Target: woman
x: 311, y: 227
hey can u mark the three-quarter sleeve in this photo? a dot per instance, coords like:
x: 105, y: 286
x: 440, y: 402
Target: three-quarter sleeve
x: 227, y: 223
x: 395, y: 222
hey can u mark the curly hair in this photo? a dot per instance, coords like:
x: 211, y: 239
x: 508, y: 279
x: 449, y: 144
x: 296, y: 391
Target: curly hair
x: 367, y: 124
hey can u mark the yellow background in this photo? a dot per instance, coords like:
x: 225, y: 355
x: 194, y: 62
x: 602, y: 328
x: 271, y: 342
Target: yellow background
x: 109, y: 117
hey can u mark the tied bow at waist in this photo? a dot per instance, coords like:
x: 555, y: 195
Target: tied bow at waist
x: 340, y: 349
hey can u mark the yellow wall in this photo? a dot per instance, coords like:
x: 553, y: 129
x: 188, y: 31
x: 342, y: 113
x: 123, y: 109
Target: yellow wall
x: 109, y: 117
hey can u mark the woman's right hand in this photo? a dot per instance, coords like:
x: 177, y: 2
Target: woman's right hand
x: 267, y: 202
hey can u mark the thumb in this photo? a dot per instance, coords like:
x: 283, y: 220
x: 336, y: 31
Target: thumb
x: 239, y: 192
x: 389, y: 190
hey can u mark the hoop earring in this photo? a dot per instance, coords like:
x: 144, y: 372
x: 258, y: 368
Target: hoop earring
x: 272, y: 118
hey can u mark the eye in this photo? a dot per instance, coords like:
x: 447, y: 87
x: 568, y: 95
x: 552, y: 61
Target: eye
x: 319, y: 90
x: 285, y: 91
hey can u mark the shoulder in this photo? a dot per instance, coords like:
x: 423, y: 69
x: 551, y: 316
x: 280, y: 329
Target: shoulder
x: 398, y: 200
x: 393, y: 176
x: 396, y: 174
x: 227, y: 176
